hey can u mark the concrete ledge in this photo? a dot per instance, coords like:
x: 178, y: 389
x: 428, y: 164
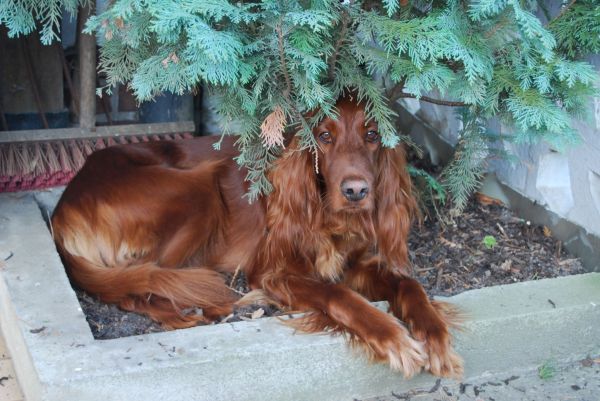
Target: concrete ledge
x: 56, y: 357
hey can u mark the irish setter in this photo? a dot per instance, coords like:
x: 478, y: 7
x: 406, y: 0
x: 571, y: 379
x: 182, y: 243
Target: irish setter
x: 153, y: 227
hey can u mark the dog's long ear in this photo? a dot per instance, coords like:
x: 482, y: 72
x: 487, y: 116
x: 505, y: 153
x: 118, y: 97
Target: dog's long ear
x: 294, y: 211
x: 395, y: 207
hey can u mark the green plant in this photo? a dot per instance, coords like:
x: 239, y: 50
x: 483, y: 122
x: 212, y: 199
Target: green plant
x: 547, y: 370
x: 284, y: 58
x: 489, y: 241
x: 432, y: 190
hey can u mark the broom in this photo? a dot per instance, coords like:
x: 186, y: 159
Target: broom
x: 39, y: 159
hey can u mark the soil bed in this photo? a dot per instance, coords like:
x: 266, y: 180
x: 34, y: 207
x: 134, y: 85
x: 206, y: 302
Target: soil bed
x: 487, y: 245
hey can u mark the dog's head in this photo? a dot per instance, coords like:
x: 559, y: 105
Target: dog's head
x: 352, y: 174
x: 349, y: 149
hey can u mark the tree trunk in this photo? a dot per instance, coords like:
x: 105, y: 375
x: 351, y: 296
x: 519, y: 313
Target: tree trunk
x: 87, y: 71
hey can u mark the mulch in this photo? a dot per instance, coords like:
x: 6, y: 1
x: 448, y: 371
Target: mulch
x: 487, y: 245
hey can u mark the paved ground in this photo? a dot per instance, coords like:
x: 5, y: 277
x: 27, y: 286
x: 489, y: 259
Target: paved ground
x: 579, y: 381
x: 9, y: 387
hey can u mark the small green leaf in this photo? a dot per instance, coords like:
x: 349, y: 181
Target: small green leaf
x: 489, y: 241
x: 547, y: 370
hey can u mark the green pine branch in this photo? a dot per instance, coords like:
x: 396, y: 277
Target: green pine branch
x: 493, y: 56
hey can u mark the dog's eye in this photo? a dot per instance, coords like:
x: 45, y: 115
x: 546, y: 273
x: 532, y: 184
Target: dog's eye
x: 372, y: 136
x: 325, y: 137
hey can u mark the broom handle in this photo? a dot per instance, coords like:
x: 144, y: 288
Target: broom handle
x: 114, y: 131
x: 3, y: 121
x: 103, y: 100
x: 67, y: 74
x: 34, y: 87
x: 87, y: 69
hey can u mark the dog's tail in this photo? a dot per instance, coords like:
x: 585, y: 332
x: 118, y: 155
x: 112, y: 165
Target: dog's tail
x: 169, y: 296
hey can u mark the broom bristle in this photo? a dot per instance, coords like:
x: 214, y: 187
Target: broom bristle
x: 77, y: 156
x: 99, y: 144
x: 51, y: 158
x: 35, y: 165
x: 63, y: 157
x: 3, y: 160
x: 22, y: 160
x: 88, y: 148
x: 36, y: 159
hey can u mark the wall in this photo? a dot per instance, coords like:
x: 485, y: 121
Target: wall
x: 566, y: 184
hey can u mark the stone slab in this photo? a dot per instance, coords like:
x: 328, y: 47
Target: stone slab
x: 9, y: 387
x: 3, y: 350
x: 575, y: 381
x: 56, y: 357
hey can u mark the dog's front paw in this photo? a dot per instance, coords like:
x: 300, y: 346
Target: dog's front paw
x: 442, y: 359
x: 399, y: 349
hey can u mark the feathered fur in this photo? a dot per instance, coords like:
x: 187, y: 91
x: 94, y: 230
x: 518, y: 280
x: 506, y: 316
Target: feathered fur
x: 153, y: 226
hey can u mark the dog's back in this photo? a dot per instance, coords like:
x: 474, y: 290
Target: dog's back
x: 135, y: 214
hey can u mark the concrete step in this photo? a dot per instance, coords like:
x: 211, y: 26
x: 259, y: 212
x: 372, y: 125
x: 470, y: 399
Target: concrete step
x: 9, y: 386
x: 56, y: 357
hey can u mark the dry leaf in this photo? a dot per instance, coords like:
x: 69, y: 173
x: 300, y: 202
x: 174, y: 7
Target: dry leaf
x: 506, y: 265
x: 547, y: 232
x: 587, y: 362
x: 257, y: 313
x: 119, y: 22
x: 488, y: 200
x: 271, y: 130
x: 450, y: 243
x: 108, y: 35
x: 226, y: 319
x: 567, y: 261
x: 171, y: 57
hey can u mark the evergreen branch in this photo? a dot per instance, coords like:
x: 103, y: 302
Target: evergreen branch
x: 495, y: 56
x: 286, y: 76
x: 397, y: 92
x: 338, y: 44
x: 465, y: 172
x: 561, y: 13
x: 428, y: 99
x: 499, y: 25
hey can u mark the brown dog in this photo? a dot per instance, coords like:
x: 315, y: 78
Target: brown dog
x: 153, y: 226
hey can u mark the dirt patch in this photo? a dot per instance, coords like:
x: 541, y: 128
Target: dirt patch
x: 487, y: 245
x: 108, y: 321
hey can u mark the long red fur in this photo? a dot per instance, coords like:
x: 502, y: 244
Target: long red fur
x: 154, y: 226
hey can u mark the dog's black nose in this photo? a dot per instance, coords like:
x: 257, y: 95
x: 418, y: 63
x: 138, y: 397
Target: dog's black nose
x: 355, y: 190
